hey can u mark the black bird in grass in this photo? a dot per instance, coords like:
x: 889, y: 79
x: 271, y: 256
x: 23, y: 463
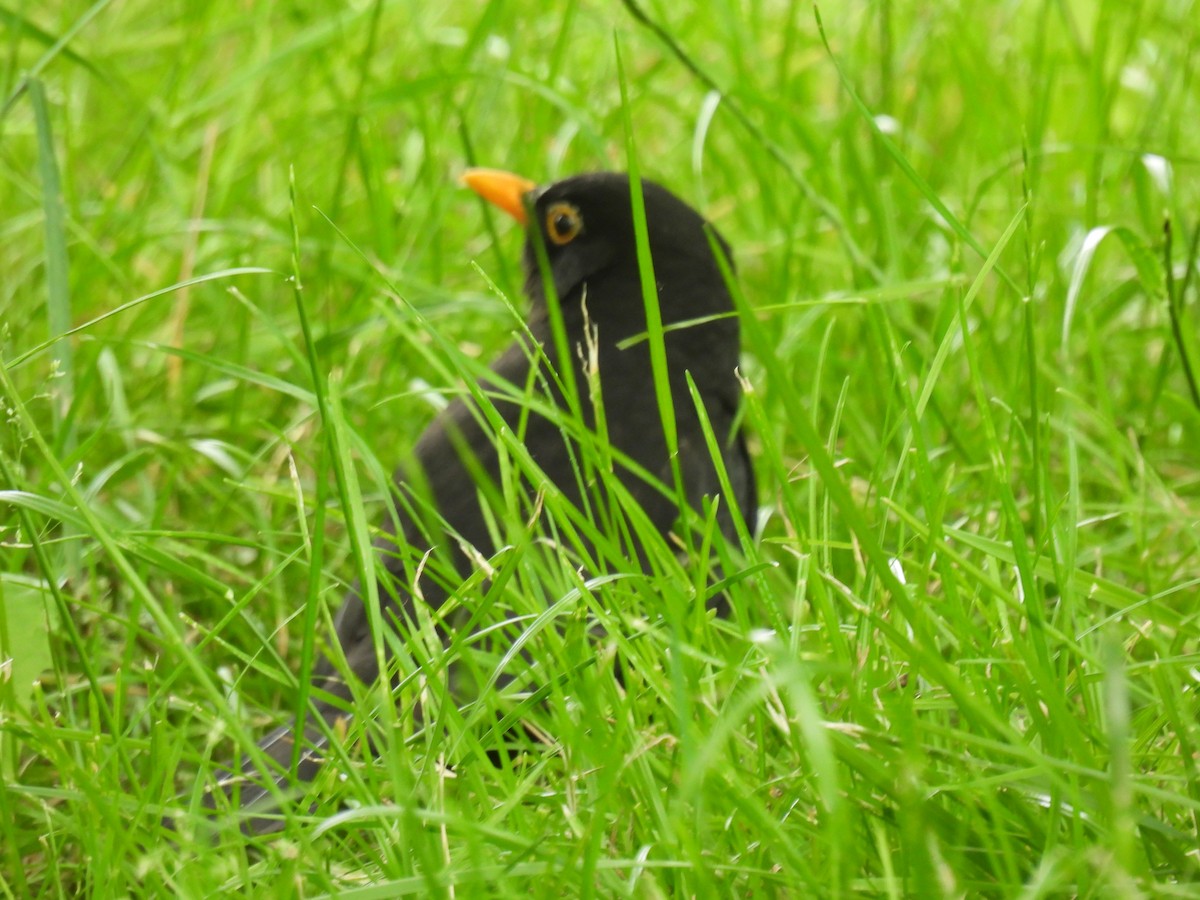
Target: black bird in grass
x: 581, y: 244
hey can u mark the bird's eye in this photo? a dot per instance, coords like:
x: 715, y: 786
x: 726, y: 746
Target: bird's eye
x: 563, y: 223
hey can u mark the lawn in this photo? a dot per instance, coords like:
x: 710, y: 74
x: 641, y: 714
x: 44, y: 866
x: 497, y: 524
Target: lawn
x: 238, y: 277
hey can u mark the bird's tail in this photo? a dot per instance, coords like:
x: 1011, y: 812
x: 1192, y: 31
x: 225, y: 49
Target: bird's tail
x: 287, y: 759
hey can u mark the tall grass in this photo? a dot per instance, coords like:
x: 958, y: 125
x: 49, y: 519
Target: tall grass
x: 237, y: 279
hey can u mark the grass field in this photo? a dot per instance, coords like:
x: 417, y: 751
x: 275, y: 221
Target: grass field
x: 964, y: 653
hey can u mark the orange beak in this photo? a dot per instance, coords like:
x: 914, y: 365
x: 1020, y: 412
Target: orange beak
x: 501, y: 189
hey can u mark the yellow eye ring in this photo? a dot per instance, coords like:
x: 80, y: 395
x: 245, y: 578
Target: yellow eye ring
x: 563, y: 223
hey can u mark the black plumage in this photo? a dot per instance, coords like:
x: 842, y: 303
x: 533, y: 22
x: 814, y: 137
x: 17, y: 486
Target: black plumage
x: 585, y: 224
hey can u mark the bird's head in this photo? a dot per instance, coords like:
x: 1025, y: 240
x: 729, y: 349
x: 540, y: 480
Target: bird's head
x: 585, y: 223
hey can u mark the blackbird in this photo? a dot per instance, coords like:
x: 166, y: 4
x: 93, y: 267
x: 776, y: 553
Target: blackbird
x: 581, y: 246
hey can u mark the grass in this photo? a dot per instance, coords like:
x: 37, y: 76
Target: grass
x: 963, y: 649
